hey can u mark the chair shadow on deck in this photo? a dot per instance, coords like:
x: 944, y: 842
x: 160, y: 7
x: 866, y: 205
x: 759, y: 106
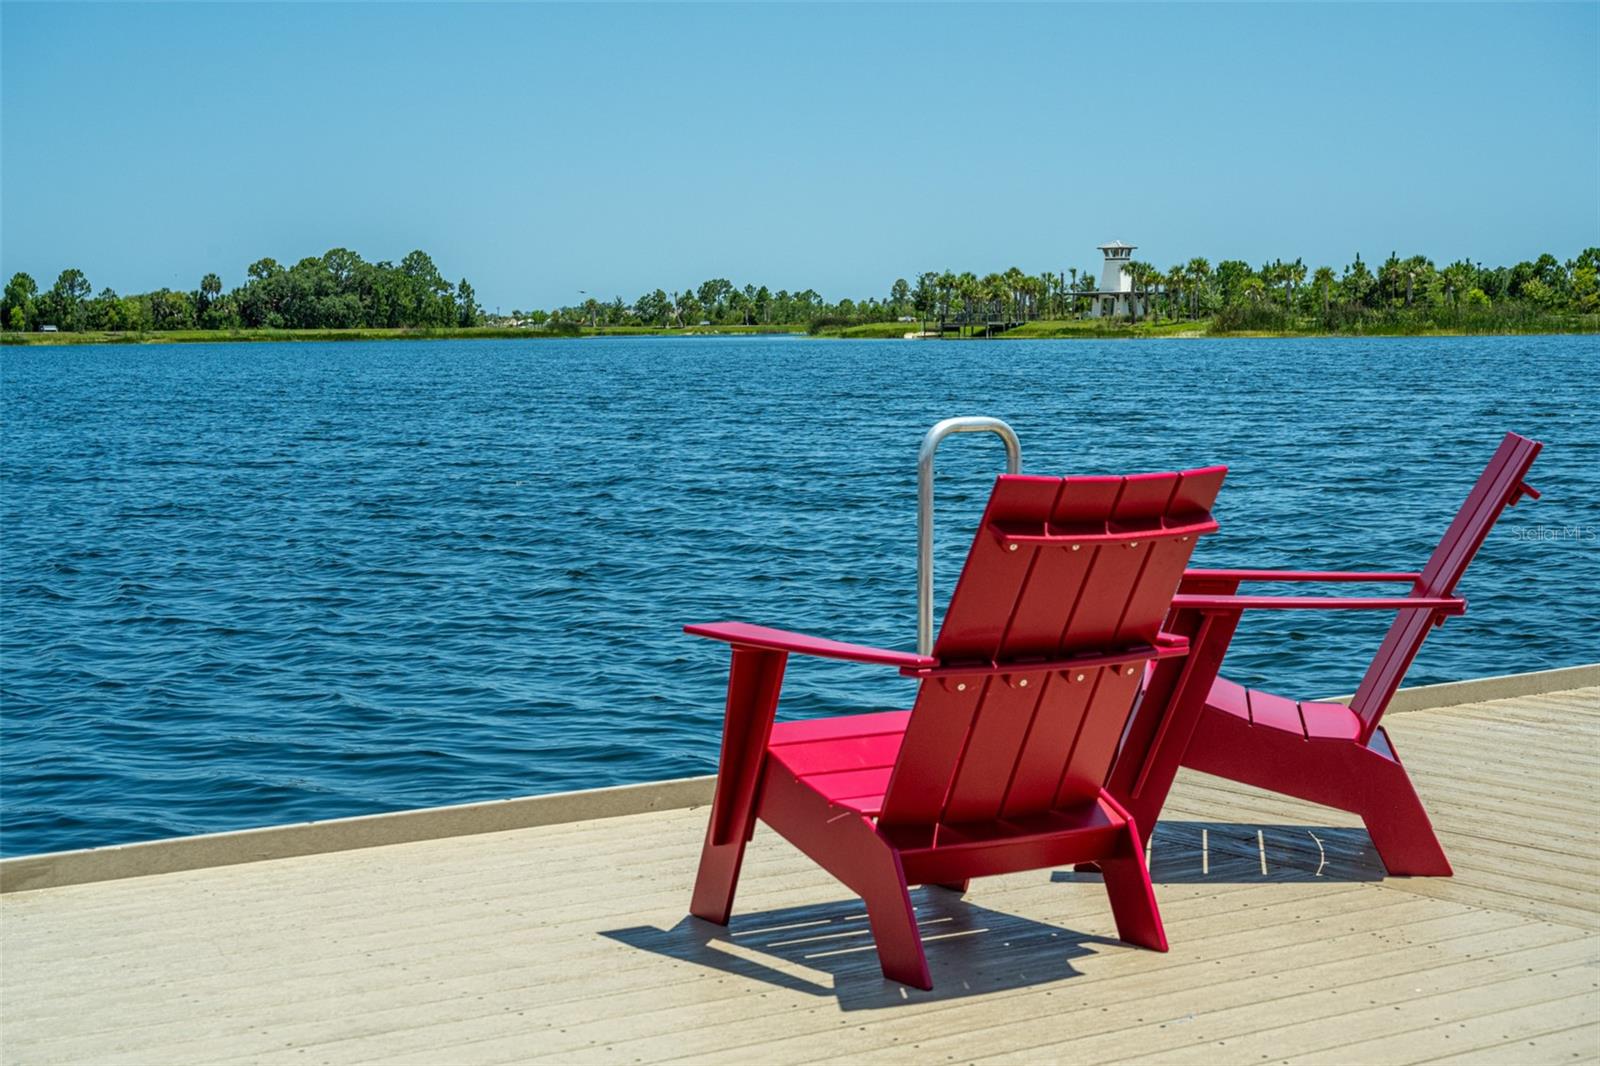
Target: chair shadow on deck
x: 827, y: 949
x: 1237, y: 852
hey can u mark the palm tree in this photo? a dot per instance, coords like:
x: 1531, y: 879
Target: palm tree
x: 1295, y: 274
x: 946, y: 286
x: 967, y: 287
x: 1389, y: 276
x: 1270, y: 273
x: 993, y: 291
x: 1174, y: 283
x: 1323, y: 279
x: 1416, y: 266
x: 1012, y: 284
x: 1141, y: 274
x: 1458, y: 278
x: 1199, y: 270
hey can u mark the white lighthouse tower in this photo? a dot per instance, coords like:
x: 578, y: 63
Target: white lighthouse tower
x: 1115, y: 297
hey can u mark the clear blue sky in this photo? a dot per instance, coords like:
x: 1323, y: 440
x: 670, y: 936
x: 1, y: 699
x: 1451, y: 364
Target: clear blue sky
x: 539, y: 150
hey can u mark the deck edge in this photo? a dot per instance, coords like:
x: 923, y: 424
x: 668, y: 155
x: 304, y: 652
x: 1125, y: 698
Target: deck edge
x: 1479, y: 689
x: 121, y: 861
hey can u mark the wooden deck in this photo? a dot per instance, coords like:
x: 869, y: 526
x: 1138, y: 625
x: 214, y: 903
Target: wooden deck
x: 569, y: 943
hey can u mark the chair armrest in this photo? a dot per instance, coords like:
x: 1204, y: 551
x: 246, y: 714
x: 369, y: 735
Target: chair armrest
x: 742, y: 634
x: 1298, y: 575
x: 1444, y: 605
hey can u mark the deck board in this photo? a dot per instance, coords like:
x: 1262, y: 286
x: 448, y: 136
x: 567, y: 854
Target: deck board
x: 569, y: 943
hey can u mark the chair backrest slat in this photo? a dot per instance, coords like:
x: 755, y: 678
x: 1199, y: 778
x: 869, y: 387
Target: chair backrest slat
x: 1098, y: 578
x: 1498, y: 487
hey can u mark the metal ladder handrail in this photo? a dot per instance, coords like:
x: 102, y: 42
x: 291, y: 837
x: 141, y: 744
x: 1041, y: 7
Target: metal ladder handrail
x: 930, y: 444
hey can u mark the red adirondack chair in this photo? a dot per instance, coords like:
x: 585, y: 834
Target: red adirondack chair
x: 999, y: 764
x: 1325, y: 753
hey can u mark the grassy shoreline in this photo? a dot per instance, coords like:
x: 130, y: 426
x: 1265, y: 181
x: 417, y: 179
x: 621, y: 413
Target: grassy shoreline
x: 1102, y: 329
x: 1065, y: 329
x: 214, y: 336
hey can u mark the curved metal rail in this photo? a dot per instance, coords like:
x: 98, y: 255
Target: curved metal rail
x: 930, y: 444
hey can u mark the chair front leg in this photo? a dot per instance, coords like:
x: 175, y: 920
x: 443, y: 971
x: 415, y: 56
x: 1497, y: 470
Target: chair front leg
x: 754, y: 679
x: 1395, y: 818
x: 1133, y: 900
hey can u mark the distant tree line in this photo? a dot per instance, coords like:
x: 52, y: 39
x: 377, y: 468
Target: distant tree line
x: 1283, y: 294
x: 1275, y: 295
x: 716, y: 301
x: 338, y: 290
x: 341, y: 290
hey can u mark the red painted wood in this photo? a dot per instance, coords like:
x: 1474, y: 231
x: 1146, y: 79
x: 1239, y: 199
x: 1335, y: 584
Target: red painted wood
x: 855, y: 725
x: 999, y: 766
x: 1127, y: 880
x: 1027, y: 536
x: 1096, y: 743
x: 1343, y: 775
x: 1319, y: 576
x: 743, y: 634
x: 848, y: 846
x: 985, y: 594
x: 1032, y: 788
x: 1430, y: 605
x: 876, y: 750
x: 1315, y: 721
x: 935, y: 738
x: 1167, y: 646
x: 1230, y: 698
x: 1197, y: 491
x: 1049, y: 600
x: 1148, y: 605
x: 847, y: 785
x: 1329, y: 721
x: 1324, y: 753
x: 1117, y: 567
x: 1167, y: 716
x: 1275, y: 712
x: 992, y: 849
x: 1501, y: 485
x: 980, y: 611
x: 754, y: 678
x: 996, y: 739
x: 1086, y: 507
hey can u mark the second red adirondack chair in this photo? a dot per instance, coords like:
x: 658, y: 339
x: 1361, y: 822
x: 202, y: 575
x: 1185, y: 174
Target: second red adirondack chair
x: 1325, y: 753
x: 998, y: 766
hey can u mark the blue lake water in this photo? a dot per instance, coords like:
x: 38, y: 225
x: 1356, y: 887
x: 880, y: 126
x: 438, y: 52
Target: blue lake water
x: 253, y: 584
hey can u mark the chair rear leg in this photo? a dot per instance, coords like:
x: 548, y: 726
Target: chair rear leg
x: 1133, y: 900
x: 894, y: 925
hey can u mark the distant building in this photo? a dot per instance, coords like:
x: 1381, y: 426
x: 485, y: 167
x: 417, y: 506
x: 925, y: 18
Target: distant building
x: 1115, y: 297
